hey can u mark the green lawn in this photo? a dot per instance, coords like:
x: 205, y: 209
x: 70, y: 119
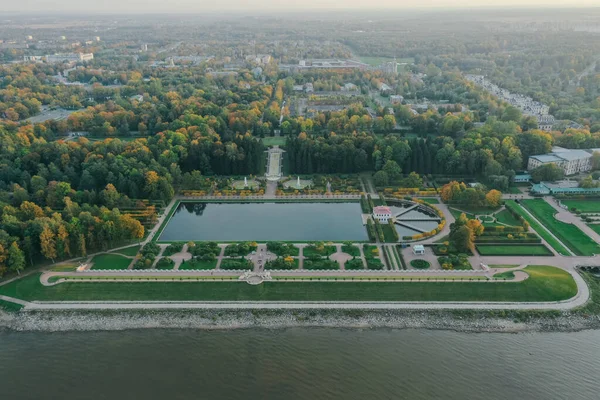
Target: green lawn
x: 595, y: 227
x: 430, y: 200
x: 505, y: 217
x: 560, y: 249
x: 274, y: 140
x: 388, y: 233
x: 586, y: 206
x: 569, y: 234
x: 544, y: 284
x: 505, y: 275
x: 110, y: 261
x: 513, y: 250
x: 128, y: 251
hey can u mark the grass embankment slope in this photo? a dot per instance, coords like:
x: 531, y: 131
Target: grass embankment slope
x: 110, y: 261
x: 569, y: 234
x: 544, y: 284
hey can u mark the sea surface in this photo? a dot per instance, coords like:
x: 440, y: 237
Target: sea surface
x: 299, y: 363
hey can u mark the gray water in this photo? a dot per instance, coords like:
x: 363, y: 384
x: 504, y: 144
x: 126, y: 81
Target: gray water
x: 266, y: 221
x: 299, y: 363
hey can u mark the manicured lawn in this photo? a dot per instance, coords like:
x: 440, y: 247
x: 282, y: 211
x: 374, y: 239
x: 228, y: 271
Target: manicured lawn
x: 430, y: 200
x: 456, y: 213
x: 543, y: 284
x: 505, y: 217
x: 595, y: 227
x: 586, y: 206
x: 388, y: 233
x: 128, y: 251
x: 513, y: 250
x: 198, y: 264
x: 274, y: 140
x: 64, y: 267
x: 560, y: 249
x: 569, y: 234
x: 505, y: 275
x: 110, y: 261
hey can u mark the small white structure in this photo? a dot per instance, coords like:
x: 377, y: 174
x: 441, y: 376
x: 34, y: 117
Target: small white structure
x: 419, y: 249
x: 382, y: 213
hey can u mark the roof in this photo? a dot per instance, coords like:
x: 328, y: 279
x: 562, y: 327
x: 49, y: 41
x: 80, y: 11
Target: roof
x: 419, y: 247
x: 574, y: 155
x: 547, y: 158
x: 382, y: 210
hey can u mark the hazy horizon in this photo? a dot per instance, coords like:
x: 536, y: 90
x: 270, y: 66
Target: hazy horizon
x: 191, y: 6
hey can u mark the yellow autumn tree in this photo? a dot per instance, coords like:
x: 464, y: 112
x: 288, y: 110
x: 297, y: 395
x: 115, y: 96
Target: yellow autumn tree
x: 48, y: 243
x: 493, y: 198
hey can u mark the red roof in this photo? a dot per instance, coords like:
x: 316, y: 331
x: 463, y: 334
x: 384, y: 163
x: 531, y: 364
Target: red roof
x: 382, y: 210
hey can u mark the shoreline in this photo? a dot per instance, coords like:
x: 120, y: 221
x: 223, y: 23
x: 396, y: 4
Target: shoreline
x: 472, y: 322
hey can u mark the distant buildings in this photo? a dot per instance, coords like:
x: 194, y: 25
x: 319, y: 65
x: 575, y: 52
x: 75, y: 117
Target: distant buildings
x: 261, y: 59
x: 385, y: 88
x: 305, y: 65
x: 69, y: 57
x: 526, y: 104
x: 571, y: 161
x: 349, y: 87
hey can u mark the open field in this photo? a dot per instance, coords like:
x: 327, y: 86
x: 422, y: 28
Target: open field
x: 586, y: 206
x: 569, y: 234
x: 560, y: 249
x: 513, y: 250
x: 110, y: 261
x: 544, y: 284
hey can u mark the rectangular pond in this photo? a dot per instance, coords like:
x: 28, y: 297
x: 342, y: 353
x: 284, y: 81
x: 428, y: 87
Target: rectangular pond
x: 299, y: 222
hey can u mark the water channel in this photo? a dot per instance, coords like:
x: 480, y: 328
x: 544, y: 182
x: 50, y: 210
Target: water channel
x: 296, y: 222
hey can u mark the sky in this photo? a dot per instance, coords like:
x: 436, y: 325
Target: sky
x: 197, y: 6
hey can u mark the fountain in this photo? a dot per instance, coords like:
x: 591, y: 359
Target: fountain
x: 298, y: 182
x: 245, y: 182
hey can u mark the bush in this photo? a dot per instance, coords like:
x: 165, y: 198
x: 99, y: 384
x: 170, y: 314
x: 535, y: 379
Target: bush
x: 354, y: 264
x: 165, y: 263
x: 229, y: 264
x: 205, y: 248
x: 173, y: 248
x: 150, y: 249
x: 420, y: 264
x: 281, y: 263
x: 321, y: 264
x: 240, y: 249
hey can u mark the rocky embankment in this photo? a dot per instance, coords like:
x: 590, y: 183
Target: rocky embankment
x: 272, y: 319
